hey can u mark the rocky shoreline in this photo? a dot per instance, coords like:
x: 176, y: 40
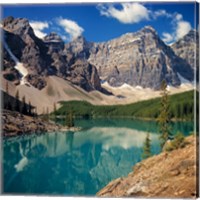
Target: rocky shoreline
x: 167, y: 175
x: 14, y: 124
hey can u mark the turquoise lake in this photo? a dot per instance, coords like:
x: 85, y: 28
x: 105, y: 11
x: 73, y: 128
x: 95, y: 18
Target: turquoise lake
x: 80, y: 163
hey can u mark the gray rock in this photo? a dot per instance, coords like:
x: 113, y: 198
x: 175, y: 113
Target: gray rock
x: 28, y: 49
x: 55, y: 45
x: 139, y: 58
x: 187, y: 48
x: 84, y: 75
x: 49, y: 56
x: 79, y: 47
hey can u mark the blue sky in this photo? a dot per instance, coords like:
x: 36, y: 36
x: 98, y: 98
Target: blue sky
x: 102, y: 22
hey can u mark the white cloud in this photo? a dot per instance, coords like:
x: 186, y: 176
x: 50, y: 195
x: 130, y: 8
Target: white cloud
x: 64, y: 37
x: 178, y: 17
x: 182, y: 29
x: 180, y: 26
x: 38, y: 28
x: 161, y: 13
x: 134, y: 12
x: 167, y: 37
x: 70, y: 27
x: 129, y: 13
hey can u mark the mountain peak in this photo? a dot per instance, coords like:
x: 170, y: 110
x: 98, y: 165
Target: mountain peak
x: 12, y: 23
x: 139, y: 58
x: 190, y: 37
x: 7, y: 20
x: 149, y: 29
x: 53, y: 37
x: 18, y: 26
x: 187, y: 46
x: 192, y: 33
x: 146, y: 29
x: 80, y: 39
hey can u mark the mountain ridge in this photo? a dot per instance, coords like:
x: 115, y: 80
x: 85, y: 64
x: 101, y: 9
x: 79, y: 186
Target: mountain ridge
x: 188, y: 48
x: 137, y: 65
x: 139, y: 59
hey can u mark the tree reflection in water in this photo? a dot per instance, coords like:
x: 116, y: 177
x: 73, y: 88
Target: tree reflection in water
x: 77, y: 163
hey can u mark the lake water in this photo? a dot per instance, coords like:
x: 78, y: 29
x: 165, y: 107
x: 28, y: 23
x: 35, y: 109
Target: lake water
x: 78, y: 163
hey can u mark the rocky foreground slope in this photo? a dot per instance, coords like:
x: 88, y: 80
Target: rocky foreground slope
x: 167, y: 175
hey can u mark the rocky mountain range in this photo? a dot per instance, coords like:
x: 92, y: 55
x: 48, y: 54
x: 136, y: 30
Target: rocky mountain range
x: 188, y: 49
x: 44, y: 57
x: 137, y: 59
x: 140, y: 58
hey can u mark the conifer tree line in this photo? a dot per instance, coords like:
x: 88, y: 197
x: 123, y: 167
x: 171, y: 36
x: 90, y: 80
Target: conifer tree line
x: 17, y: 104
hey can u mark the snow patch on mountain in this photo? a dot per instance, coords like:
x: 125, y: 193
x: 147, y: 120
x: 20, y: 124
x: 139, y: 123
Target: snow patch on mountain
x: 183, y: 80
x: 124, y: 86
x: 19, y: 66
x: 23, y: 72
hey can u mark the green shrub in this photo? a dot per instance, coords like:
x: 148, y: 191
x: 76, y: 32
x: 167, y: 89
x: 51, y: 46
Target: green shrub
x: 176, y: 143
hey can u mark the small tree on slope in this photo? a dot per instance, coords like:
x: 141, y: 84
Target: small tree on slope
x: 164, y: 117
x: 147, y: 147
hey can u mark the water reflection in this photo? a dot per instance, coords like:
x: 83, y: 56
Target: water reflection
x: 71, y: 163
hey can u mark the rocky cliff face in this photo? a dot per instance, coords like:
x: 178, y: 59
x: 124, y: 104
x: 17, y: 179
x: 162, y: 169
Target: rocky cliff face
x: 9, y: 72
x: 167, y: 175
x: 84, y: 75
x: 44, y: 57
x: 79, y: 48
x: 140, y: 58
x: 28, y: 49
x: 55, y: 45
x: 188, y: 49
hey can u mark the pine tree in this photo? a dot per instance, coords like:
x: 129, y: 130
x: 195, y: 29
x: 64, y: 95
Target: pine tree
x: 35, y: 112
x: 7, y: 88
x: 7, y: 102
x: 47, y: 114
x: 147, y: 147
x: 164, y: 118
x: 17, y: 103
x: 70, y: 121
x: 29, y: 109
x: 54, y: 110
x: 66, y: 118
x: 24, y: 107
x: 54, y: 107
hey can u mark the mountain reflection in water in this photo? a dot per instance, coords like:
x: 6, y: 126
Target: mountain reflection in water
x: 70, y: 163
